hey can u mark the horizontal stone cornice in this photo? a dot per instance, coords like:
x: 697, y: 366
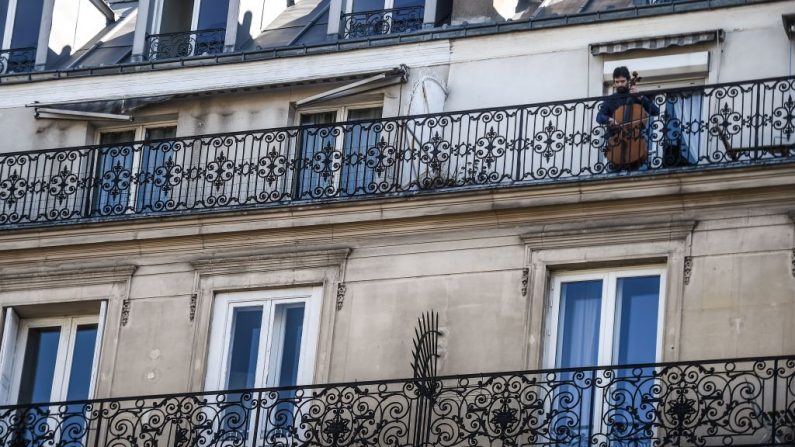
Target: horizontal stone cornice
x: 272, y: 262
x: 606, y: 233
x: 43, y: 278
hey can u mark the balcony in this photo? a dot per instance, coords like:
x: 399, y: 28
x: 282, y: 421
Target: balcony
x: 17, y: 60
x: 696, y: 129
x: 185, y: 44
x: 739, y: 402
x: 384, y: 21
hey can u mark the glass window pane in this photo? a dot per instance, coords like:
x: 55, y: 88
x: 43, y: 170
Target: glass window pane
x: 38, y: 365
x: 3, y: 14
x: 27, y: 22
x: 244, y: 347
x: 367, y: 5
x: 155, y: 187
x: 407, y: 3
x: 212, y: 14
x: 637, y: 309
x: 291, y: 348
x: 114, y: 172
x: 82, y: 362
x: 318, y: 153
x: 361, y: 152
x: 578, y: 324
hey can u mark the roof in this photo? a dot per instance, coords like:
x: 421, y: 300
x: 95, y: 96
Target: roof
x: 303, y: 26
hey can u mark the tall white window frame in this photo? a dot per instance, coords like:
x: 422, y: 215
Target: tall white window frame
x: 607, y: 324
x: 63, y: 360
x: 221, y: 330
x: 608, y: 342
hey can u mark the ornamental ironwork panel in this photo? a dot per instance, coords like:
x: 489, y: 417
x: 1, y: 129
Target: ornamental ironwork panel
x: 741, y: 402
x: 382, y: 21
x: 185, y: 44
x: 692, y: 129
x: 17, y: 60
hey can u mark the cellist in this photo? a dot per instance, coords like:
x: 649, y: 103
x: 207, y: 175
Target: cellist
x: 624, y: 94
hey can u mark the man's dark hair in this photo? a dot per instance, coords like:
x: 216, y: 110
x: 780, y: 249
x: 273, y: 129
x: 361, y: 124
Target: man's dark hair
x: 621, y: 72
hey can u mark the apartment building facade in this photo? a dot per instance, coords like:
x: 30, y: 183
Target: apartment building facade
x: 220, y: 221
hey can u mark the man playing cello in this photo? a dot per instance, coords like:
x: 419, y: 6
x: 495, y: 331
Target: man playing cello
x: 625, y: 114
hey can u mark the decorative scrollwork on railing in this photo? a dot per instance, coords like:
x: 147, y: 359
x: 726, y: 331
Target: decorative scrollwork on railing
x: 185, y: 44
x: 739, y: 402
x: 17, y: 60
x: 382, y: 21
x: 709, y: 126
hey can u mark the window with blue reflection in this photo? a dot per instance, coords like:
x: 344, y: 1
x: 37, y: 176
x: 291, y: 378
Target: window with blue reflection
x: 38, y: 368
x: 631, y: 399
x: 578, y: 345
x: 74, y: 418
x: 154, y: 188
x: 27, y: 22
x: 319, y: 160
x: 361, y: 152
x: 367, y: 5
x: 114, y: 173
x: 637, y: 310
x: 246, y: 327
x: 213, y: 14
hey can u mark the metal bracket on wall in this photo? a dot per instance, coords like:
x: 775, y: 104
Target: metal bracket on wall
x: 125, y: 312
x: 688, y: 269
x: 793, y: 262
x: 340, y: 295
x: 194, y: 299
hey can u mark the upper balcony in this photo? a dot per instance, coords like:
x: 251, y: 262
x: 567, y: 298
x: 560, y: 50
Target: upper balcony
x: 17, y: 60
x: 689, y: 130
x: 384, y: 21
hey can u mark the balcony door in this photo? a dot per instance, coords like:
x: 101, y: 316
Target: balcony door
x: 604, y: 318
x: 192, y: 28
x: 47, y: 360
x: 261, y: 339
x: 337, y: 160
x: 129, y: 178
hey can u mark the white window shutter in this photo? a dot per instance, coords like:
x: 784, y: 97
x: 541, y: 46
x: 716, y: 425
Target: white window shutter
x: 103, y: 312
x: 7, y: 351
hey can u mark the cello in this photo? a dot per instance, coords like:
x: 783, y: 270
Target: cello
x: 626, y: 147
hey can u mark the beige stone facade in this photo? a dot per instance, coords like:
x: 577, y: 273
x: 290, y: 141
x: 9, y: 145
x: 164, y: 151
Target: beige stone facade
x: 485, y: 259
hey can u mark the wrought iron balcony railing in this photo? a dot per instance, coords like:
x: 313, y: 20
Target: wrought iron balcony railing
x: 742, y: 402
x: 17, y: 60
x: 696, y: 128
x: 383, y: 21
x: 185, y: 44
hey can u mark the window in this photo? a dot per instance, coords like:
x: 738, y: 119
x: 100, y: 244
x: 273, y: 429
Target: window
x: 22, y: 23
x: 335, y: 159
x: 130, y: 179
x: 262, y: 339
x: 604, y: 318
x: 48, y: 360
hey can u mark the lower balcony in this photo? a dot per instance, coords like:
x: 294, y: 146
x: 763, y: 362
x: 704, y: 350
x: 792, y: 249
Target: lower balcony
x: 689, y: 130
x: 739, y: 402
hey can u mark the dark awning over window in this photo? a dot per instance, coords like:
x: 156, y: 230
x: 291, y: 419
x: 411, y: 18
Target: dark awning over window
x: 656, y: 43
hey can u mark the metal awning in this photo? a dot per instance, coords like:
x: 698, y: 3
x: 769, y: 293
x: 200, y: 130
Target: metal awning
x: 122, y: 109
x: 394, y: 76
x: 111, y: 109
x: 656, y: 43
